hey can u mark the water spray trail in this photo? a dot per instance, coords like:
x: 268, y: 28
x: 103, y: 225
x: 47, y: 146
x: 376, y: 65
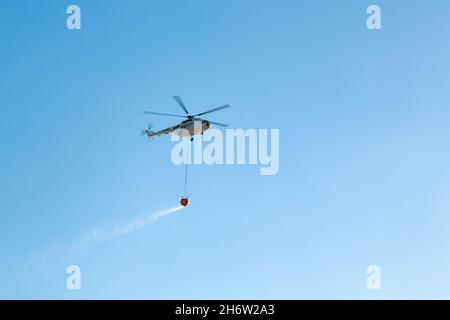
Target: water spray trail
x: 101, y: 233
x: 52, y: 257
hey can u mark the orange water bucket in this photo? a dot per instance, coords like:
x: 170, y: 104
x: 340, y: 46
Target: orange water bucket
x: 184, y: 202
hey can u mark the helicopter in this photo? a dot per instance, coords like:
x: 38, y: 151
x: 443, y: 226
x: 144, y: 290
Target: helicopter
x: 187, y: 128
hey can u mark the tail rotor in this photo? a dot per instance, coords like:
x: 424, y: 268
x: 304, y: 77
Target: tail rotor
x: 148, y: 131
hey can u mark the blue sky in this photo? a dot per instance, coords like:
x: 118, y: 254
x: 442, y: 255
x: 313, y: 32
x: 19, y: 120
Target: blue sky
x: 364, y: 149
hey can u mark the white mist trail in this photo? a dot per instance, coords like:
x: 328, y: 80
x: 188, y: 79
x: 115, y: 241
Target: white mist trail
x: 103, y: 233
x: 53, y: 257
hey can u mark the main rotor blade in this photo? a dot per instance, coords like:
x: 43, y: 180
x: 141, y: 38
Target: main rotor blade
x: 212, y: 110
x: 163, y: 114
x: 218, y: 124
x: 181, y: 103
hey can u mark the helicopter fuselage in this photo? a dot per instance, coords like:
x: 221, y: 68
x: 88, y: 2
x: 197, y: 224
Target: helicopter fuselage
x: 189, y: 128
